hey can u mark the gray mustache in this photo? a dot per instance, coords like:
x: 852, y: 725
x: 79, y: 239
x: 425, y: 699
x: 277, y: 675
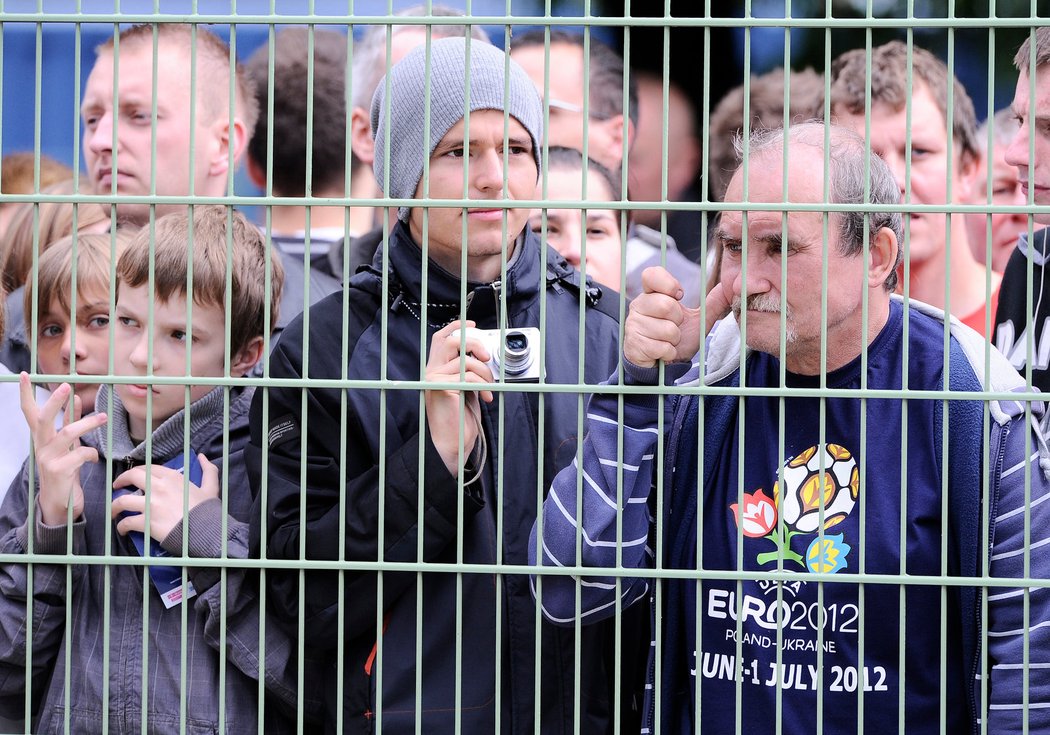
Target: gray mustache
x: 763, y: 302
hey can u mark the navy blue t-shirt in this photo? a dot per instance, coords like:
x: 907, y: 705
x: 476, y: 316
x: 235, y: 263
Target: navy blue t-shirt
x: 829, y: 465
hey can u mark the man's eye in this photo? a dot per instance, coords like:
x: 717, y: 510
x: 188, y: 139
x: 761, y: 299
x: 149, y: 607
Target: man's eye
x: 732, y: 246
x: 455, y: 153
x: 518, y: 150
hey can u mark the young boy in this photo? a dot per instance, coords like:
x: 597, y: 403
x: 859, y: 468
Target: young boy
x: 58, y: 340
x: 109, y: 677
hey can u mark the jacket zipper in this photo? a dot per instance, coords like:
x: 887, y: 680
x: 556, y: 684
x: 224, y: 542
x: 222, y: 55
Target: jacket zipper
x: 996, y: 475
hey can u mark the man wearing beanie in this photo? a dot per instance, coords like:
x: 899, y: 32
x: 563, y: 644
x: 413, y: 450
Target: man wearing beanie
x: 449, y: 478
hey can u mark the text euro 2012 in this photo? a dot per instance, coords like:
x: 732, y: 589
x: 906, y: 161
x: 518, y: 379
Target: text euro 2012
x: 792, y: 675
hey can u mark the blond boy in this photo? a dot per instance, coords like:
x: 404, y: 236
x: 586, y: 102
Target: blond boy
x: 159, y: 331
x: 72, y: 334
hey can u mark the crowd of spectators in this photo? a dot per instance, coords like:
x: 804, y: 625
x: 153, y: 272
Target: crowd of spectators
x: 339, y: 385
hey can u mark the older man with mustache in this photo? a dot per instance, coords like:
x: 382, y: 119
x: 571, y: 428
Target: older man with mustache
x: 758, y: 493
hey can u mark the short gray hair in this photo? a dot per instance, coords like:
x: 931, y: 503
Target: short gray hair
x: 369, y: 64
x: 848, y: 159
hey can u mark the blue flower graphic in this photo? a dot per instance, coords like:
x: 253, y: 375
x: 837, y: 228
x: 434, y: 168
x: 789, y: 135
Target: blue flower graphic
x: 827, y: 555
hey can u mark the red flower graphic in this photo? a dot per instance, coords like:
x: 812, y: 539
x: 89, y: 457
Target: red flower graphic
x: 759, y: 516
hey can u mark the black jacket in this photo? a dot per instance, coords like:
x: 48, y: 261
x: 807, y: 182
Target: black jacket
x: 344, y: 503
x: 1012, y: 315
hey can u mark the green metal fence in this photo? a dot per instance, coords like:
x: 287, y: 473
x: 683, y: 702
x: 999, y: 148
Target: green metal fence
x: 307, y: 676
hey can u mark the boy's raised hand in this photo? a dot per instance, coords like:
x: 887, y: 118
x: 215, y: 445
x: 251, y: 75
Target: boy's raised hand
x: 165, y: 496
x: 59, y: 453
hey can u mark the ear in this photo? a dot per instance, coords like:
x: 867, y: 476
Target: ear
x: 239, y: 139
x: 255, y: 172
x: 882, y: 251
x: 361, y: 141
x: 968, y: 176
x: 248, y: 357
x: 610, y: 140
x: 973, y: 189
x: 235, y: 138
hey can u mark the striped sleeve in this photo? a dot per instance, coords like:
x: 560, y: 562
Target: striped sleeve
x: 598, y: 506
x: 1021, y: 529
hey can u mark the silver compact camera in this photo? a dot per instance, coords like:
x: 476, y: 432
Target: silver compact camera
x: 515, y: 349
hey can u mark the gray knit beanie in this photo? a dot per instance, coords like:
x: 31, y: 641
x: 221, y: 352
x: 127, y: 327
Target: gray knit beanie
x: 448, y: 59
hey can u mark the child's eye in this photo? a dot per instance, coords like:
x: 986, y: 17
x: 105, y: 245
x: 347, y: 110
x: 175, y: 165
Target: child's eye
x: 51, y: 330
x: 128, y: 322
x: 98, y: 322
x: 178, y: 335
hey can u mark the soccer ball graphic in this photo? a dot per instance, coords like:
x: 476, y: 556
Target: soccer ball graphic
x: 805, y: 484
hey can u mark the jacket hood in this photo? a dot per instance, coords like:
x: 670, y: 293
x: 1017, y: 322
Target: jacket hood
x: 1036, y: 250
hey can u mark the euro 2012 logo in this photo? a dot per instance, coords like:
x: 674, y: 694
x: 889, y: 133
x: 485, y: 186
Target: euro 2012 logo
x: 814, y: 477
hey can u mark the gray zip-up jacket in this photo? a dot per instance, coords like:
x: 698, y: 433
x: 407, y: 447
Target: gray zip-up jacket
x: 122, y: 654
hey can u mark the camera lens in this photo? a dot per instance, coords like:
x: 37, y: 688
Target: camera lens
x: 516, y: 353
x: 516, y: 342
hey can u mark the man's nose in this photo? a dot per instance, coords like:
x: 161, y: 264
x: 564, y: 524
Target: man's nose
x: 897, y: 166
x: 1017, y: 152
x: 100, y: 138
x: 486, y: 171
x: 763, y: 272
x: 756, y: 283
